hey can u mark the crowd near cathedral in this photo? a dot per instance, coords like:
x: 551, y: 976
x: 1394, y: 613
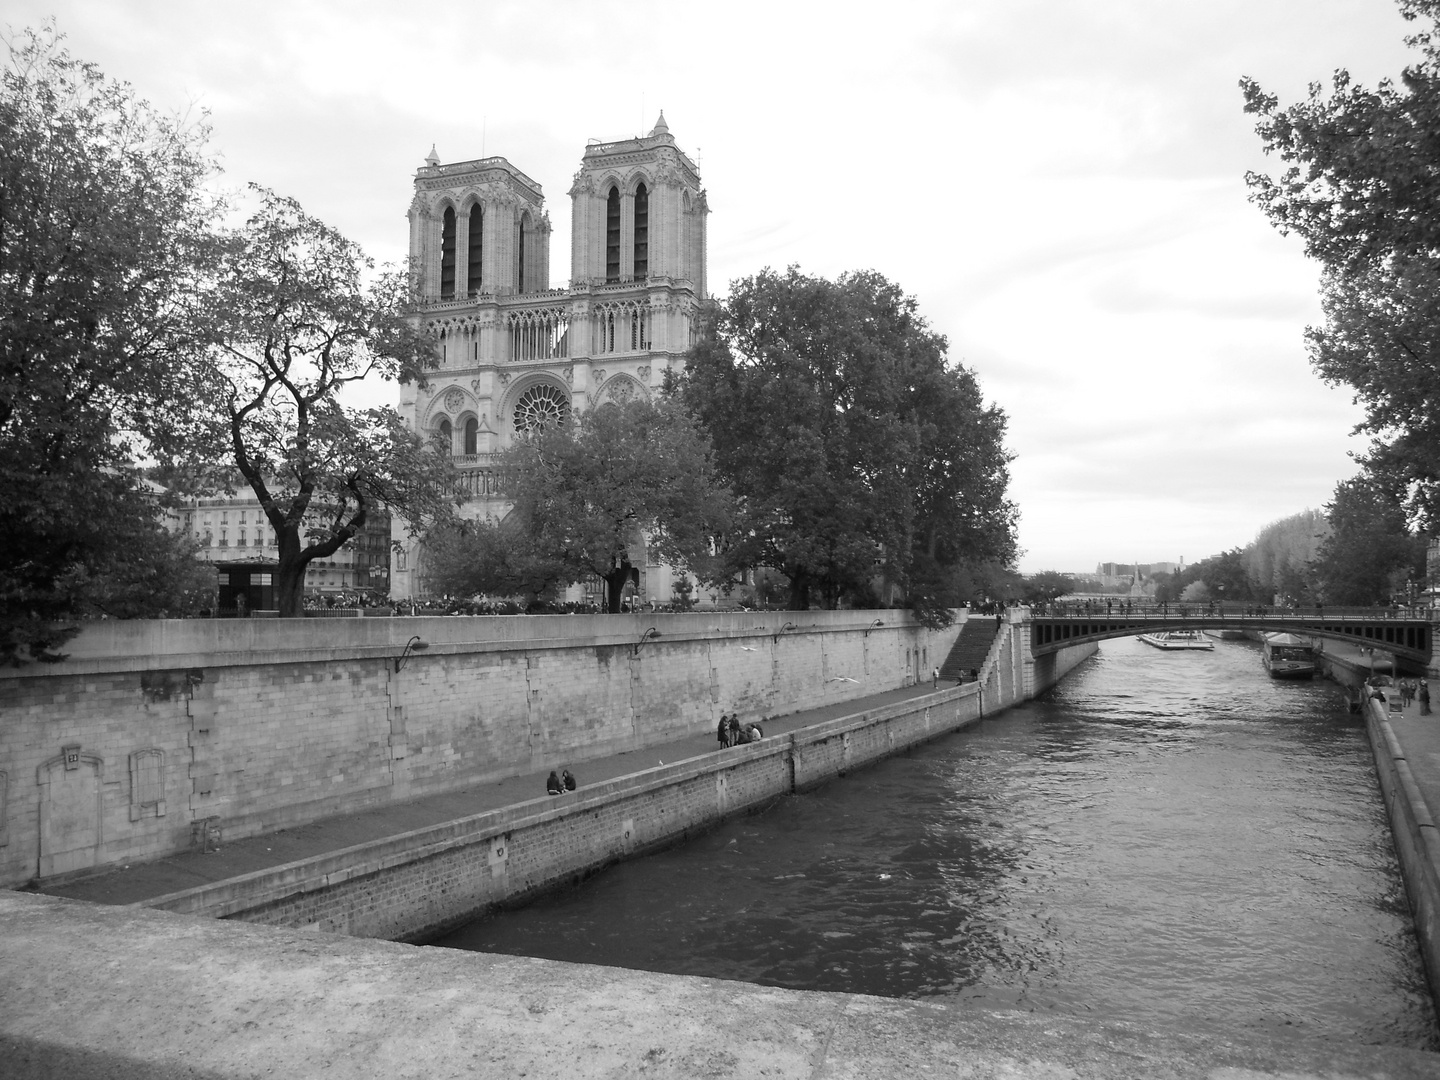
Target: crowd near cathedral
x: 514, y: 353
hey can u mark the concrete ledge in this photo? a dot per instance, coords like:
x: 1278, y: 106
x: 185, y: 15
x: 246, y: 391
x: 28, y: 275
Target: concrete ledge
x: 95, y: 992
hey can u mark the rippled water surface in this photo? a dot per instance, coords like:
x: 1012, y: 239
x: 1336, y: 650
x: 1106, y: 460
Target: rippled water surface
x: 1165, y: 838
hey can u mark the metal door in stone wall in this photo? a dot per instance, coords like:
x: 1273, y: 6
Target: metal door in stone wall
x: 71, y: 790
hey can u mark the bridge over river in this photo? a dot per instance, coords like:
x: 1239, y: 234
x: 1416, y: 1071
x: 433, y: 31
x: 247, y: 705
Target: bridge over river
x: 1404, y: 633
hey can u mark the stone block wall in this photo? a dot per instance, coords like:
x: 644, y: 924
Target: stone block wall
x: 154, y: 736
x: 414, y: 886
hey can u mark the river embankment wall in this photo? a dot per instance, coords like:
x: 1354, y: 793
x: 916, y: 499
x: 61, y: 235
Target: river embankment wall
x: 154, y: 736
x: 418, y: 884
x: 1417, y: 842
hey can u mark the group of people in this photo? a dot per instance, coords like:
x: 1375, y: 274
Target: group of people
x: 561, y: 783
x: 731, y: 733
x: 1410, y: 689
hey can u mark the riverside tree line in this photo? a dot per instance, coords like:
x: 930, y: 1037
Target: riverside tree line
x: 151, y: 349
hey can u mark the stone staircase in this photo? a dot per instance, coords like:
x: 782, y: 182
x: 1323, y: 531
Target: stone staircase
x: 970, y: 648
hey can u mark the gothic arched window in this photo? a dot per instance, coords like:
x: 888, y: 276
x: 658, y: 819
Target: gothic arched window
x: 445, y: 436
x: 447, y: 255
x: 477, y: 248
x: 541, y: 405
x: 472, y: 432
x: 642, y: 233
x: 520, y: 253
x: 612, y: 235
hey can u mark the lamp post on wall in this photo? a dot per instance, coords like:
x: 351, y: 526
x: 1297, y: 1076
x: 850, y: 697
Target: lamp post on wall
x: 414, y: 645
x: 649, y: 635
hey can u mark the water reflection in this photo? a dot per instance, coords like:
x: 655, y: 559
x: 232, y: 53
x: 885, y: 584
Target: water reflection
x: 1169, y: 837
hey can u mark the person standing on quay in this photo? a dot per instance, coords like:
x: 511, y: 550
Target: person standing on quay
x: 1424, y: 698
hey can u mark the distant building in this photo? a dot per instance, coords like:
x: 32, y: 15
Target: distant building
x: 1113, y: 575
x: 233, y: 528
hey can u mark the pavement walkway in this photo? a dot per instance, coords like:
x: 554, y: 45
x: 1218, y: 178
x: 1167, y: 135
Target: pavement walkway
x: 139, y: 882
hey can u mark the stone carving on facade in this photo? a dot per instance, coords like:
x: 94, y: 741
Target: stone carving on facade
x: 643, y: 372
x: 504, y: 377
x: 597, y: 376
x: 570, y: 376
x: 454, y: 399
x: 475, y: 386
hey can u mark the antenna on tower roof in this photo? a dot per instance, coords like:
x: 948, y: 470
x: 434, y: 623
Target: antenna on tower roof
x: 484, y: 124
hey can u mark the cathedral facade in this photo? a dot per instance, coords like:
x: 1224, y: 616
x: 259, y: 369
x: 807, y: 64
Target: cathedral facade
x: 514, y: 352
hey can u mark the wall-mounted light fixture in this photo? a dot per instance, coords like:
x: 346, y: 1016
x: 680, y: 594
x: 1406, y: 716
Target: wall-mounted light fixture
x: 648, y: 635
x: 414, y: 645
x: 787, y: 626
x: 873, y: 625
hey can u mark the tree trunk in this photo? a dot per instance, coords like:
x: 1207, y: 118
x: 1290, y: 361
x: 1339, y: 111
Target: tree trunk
x: 290, y: 577
x: 799, y: 591
x: 615, y: 582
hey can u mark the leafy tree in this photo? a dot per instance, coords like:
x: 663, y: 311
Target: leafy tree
x: 1361, y: 189
x: 1370, y: 550
x: 104, y: 228
x: 1226, y: 576
x: 498, y: 558
x: 287, y: 323
x: 586, y: 491
x: 855, y: 448
x: 1047, y: 585
x: 1278, y: 559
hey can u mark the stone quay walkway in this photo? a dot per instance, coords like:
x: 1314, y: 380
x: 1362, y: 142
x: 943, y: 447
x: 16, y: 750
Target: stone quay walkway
x: 139, y: 882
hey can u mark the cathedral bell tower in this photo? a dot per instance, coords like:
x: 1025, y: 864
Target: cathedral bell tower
x: 638, y: 212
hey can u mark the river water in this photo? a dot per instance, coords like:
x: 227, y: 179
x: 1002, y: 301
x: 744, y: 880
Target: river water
x: 1165, y: 838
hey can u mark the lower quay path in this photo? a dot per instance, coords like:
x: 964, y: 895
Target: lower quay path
x: 145, y: 881
x: 118, y: 990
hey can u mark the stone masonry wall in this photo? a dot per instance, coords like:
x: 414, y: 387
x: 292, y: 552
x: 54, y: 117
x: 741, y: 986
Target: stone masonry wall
x: 153, y: 736
x: 419, y: 884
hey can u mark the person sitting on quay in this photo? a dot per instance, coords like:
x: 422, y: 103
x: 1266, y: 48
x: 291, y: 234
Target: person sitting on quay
x: 753, y: 733
x: 569, y: 780
x: 553, y: 785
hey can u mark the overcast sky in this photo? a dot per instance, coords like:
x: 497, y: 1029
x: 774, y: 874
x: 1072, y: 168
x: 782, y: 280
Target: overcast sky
x: 1060, y: 183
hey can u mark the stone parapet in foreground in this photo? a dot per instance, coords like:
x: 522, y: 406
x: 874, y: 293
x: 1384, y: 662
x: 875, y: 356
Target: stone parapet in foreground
x: 104, y: 992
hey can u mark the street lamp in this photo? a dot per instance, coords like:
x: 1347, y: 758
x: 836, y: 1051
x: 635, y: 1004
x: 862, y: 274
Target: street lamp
x: 874, y: 625
x: 414, y: 645
x: 648, y: 635
x: 787, y: 626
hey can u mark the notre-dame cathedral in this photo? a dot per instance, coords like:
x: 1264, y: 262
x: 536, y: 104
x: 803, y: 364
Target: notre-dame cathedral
x: 514, y: 352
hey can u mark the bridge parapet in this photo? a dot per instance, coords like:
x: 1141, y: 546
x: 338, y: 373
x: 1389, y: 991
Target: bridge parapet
x: 1409, y: 636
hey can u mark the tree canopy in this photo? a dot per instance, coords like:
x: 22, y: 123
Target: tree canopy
x: 1361, y: 188
x: 291, y: 317
x: 104, y: 231
x: 856, y: 449
x: 1370, y: 550
x: 585, y: 490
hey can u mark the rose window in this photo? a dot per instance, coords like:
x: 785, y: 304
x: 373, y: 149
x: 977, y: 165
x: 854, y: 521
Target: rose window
x: 539, y: 406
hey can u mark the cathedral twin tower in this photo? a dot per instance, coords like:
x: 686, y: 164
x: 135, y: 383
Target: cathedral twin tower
x: 514, y: 352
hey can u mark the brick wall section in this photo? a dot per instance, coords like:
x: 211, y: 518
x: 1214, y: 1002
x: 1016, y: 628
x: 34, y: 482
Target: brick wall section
x: 414, y: 886
x: 266, y: 724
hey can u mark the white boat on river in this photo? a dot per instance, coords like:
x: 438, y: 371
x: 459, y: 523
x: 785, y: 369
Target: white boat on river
x: 1178, y: 639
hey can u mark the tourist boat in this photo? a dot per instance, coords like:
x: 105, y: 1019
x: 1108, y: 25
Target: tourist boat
x: 1178, y: 639
x: 1289, y: 657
